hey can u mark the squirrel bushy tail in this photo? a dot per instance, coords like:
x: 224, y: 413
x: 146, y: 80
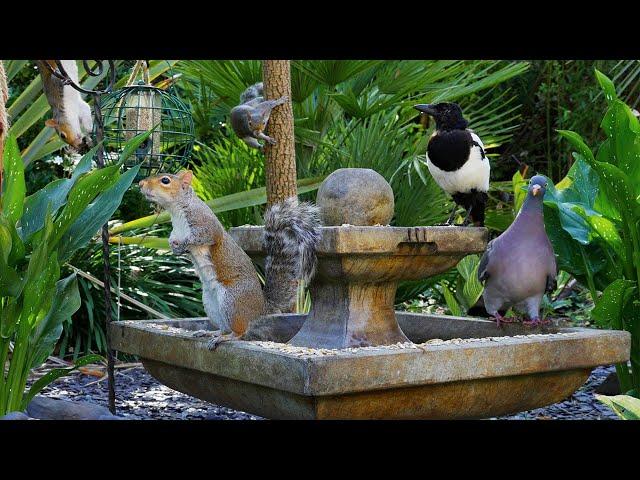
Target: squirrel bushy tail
x: 291, y: 237
x: 253, y: 91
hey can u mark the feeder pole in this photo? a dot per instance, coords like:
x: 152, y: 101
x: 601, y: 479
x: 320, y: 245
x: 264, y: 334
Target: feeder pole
x: 96, y: 71
x: 99, y: 128
x: 280, y: 159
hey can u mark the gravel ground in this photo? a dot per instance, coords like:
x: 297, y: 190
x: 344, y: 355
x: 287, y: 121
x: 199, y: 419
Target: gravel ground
x: 139, y: 396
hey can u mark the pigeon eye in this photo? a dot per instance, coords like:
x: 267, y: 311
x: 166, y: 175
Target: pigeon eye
x: 165, y: 180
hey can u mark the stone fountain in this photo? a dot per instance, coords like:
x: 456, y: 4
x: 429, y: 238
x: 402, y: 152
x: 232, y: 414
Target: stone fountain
x: 353, y: 356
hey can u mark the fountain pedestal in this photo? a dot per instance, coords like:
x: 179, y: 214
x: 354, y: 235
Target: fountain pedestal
x: 359, y: 268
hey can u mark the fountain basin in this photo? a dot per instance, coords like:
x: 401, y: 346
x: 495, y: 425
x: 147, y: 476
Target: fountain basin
x: 358, y: 271
x: 460, y: 367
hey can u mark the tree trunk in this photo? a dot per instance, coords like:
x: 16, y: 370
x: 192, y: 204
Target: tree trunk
x: 4, y: 122
x: 280, y: 159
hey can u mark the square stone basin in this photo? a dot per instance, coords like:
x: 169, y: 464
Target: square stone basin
x: 458, y: 367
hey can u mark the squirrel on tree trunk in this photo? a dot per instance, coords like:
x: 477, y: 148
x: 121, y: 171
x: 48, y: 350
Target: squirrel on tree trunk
x: 231, y: 291
x: 249, y: 119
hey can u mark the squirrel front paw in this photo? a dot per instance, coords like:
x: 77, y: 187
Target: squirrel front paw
x: 177, y: 247
x: 270, y: 140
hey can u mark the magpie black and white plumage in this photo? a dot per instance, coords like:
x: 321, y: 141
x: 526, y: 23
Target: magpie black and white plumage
x: 457, y: 161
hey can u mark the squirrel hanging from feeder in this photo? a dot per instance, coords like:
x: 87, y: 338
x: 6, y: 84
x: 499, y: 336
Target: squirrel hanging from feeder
x: 72, y: 118
x: 249, y: 119
x: 231, y: 292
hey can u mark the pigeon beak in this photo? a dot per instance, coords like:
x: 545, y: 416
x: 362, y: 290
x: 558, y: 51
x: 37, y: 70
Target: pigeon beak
x: 425, y: 108
x: 535, y: 190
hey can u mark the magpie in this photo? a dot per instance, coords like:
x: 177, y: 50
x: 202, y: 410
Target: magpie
x: 457, y: 161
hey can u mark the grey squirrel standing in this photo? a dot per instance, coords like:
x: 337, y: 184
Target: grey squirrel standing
x: 249, y: 119
x: 231, y: 291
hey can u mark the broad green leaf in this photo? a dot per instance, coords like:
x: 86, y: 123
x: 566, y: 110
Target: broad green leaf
x: 11, y: 250
x: 47, y: 332
x: 55, y: 194
x: 14, y: 187
x: 95, y: 215
x: 609, y: 308
x: 616, y: 183
x: 519, y: 194
x: 623, y: 132
x: 83, y: 192
x: 5, y: 240
x: 573, y: 198
x: 608, y: 232
x: 472, y: 288
x: 42, y: 273
x: 567, y: 249
x: 56, y: 373
x: 132, y: 145
x: 451, y: 301
x: 498, y: 220
x: 9, y: 316
x: 625, y: 406
x: 607, y: 86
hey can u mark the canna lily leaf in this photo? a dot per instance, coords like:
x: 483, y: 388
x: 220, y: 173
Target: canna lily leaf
x: 54, y: 194
x: 56, y: 373
x: 95, y: 215
x: 47, y: 332
x: 12, y: 198
x: 625, y: 406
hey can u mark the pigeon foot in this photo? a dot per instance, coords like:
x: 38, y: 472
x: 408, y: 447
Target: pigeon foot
x: 534, y: 322
x: 500, y: 319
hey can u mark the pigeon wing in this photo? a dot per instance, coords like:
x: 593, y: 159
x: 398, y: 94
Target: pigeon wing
x: 483, y: 274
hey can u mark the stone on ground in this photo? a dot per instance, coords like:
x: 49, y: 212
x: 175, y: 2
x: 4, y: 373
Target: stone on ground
x: 45, y: 408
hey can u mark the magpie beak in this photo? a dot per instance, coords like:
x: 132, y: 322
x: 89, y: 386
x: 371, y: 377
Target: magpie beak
x: 425, y: 108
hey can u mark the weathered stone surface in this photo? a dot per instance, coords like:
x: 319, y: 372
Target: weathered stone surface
x: 355, y: 196
x: 358, y: 271
x: 44, y: 408
x: 464, y: 377
x: 16, y: 416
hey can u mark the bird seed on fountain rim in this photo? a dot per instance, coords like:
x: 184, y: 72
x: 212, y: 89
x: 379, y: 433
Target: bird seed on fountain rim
x: 302, y: 351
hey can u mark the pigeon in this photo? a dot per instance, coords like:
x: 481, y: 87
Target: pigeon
x: 457, y: 161
x: 519, y: 266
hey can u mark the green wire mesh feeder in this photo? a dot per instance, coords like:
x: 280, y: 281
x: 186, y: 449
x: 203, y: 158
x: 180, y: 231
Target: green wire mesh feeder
x: 138, y: 108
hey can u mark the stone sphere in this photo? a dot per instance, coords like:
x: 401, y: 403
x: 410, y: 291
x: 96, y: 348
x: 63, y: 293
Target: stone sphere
x: 355, y: 196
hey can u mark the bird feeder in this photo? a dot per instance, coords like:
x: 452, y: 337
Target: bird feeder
x: 138, y: 108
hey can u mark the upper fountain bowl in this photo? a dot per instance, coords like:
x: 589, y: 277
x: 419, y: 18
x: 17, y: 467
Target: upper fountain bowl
x: 381, y: 254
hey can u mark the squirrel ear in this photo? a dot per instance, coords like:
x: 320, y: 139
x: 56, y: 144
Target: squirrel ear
x: 186, y: 176
x: 51, y: 123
